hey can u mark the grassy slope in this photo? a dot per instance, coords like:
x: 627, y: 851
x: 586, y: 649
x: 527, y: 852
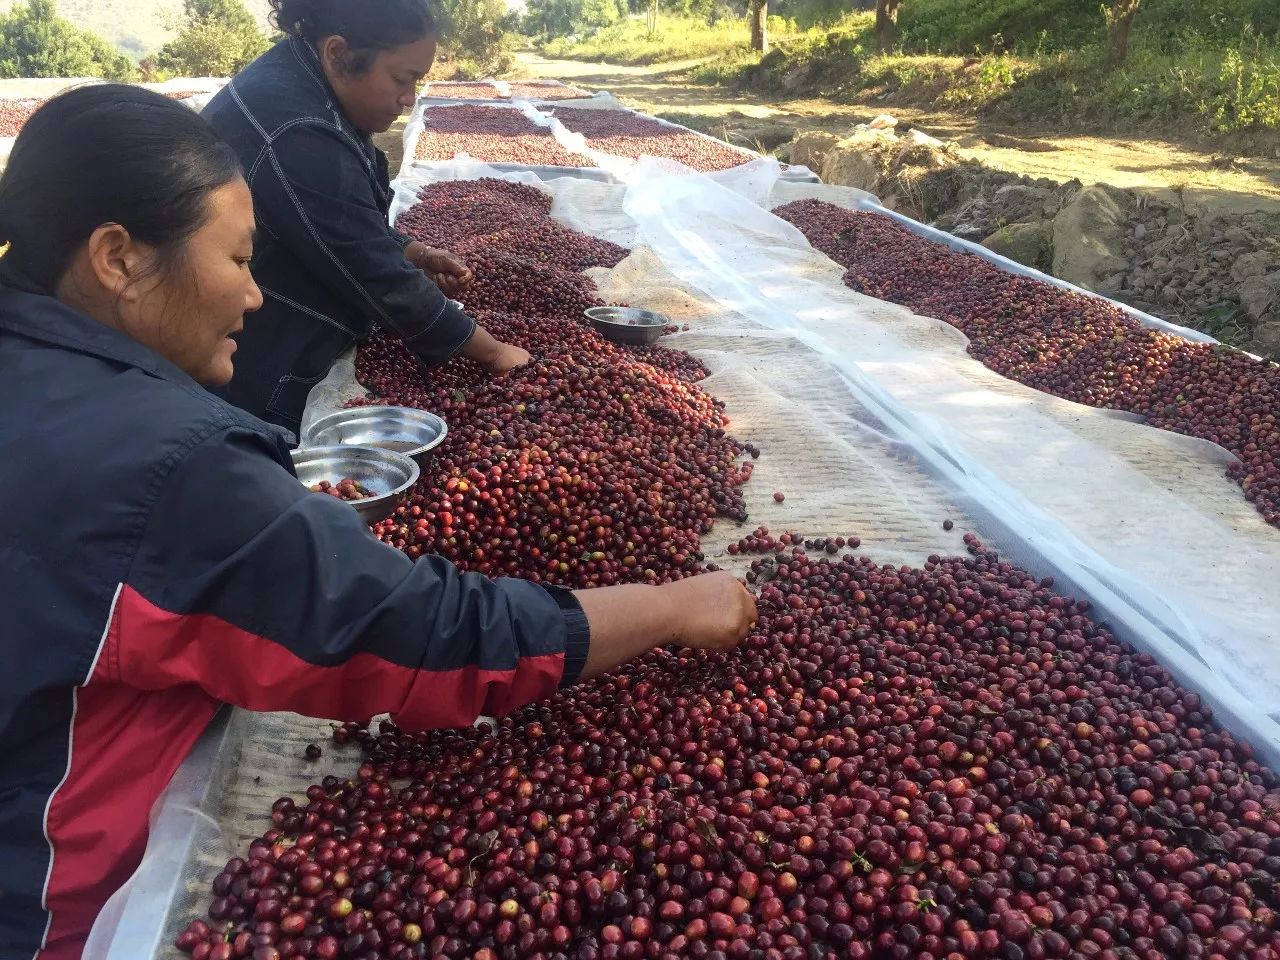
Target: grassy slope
x: 137, y: 27
x: 1207, y: 66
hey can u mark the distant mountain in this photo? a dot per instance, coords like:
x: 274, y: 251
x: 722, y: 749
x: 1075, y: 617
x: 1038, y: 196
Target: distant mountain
x: 137, y: 27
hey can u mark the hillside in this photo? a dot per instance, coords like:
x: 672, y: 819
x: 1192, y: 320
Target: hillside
x: 137, y: 27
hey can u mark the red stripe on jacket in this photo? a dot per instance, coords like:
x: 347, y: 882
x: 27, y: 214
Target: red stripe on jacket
x: 125, y: 746
x: 166, y: 648
x: 160, y: 679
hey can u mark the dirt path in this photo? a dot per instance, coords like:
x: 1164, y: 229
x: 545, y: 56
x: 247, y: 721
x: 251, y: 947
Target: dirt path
x: 1205, y: 181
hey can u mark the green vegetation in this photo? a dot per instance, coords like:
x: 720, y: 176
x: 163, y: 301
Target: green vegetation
x: 1207, y: 66
x: 217, y: 38
x: 36, y: 42
x: 477, y: 37
x: 677, y: 37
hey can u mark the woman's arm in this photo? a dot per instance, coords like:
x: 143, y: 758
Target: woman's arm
x: 274, y: 598
x: 312, y: 193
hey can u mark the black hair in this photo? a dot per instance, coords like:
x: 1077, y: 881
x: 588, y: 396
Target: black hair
x: 106, y: 153
x: 368, y: 26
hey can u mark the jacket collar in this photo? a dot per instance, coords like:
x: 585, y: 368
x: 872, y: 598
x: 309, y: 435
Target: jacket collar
x: 308, y: 62
x: 48, y: 320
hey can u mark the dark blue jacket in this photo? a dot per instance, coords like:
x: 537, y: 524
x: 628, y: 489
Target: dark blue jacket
x: 329, y: 265
x: 159, y: 558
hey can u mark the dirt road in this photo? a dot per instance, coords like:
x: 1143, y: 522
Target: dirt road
x: 1205, y: 181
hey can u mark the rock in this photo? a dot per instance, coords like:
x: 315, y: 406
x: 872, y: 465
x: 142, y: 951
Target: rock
x: 851, y: 163
x: 975, y: 220
x: 1030, y: 244
x: 1089, y: 235
x: 810, y: 149
x: 1113, y: 283
x: 1266, y: 338
x: 1139, y: 231
x: 795, y: 79
x: 1260, y: 298
x: 1239, y: 237
x: 1019, y: 203
x: 1249, y: 265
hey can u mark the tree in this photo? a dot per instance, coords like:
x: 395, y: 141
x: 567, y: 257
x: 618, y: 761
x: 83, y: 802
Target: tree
x: 759, y: 11
x: 1119, y: 26
x: 475, y: 35
x: 217, y: 38
x: 562, y: 18
x: 886, y: 24
x: 115, y: 65
x: 36, y: 42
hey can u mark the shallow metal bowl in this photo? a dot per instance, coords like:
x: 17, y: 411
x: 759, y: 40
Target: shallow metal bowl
x: 415, y: 433
x: 385, y: 473
x: 628, y: 325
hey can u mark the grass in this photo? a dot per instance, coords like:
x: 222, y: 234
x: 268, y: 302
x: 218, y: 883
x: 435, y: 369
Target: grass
x: 1210, y: 67
x: 677, y: 38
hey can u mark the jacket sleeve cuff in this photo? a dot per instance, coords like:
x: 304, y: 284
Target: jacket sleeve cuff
x: 448, y: 335
x: 577, y: 634
x: 400, y: 238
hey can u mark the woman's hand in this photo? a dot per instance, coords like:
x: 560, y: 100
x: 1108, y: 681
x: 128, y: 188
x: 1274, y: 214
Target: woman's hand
x: 506, y: 359
x: 448, y: 272
x: 717, y: 610
x: 495, y: 356
x: 708, y: 612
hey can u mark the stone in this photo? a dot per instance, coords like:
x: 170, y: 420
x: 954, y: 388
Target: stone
x: 1249, y: 265
x: 810, y: 148
x: 1019, y: 203
x: 1089, y: 236
x: 1266, y: 338
x: 850, y: 163
x: 1030, y: 244
x: 1239, y: 237
x: 1260, y: 297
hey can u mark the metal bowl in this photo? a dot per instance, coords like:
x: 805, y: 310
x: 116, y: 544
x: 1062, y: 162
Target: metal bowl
x: 385, y: 473
x: 415, y: 433
x: 628, y: 325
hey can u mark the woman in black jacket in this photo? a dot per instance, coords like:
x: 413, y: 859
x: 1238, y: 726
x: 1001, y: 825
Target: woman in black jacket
x: 300, y: 118
x: 165, y: 560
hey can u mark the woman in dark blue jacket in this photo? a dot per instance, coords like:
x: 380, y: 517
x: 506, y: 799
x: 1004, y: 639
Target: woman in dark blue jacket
x: 158, y: 557
x: 331, y: 270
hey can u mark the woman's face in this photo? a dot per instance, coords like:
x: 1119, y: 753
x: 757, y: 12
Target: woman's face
x: 375, y: 99
x: 189, y: 313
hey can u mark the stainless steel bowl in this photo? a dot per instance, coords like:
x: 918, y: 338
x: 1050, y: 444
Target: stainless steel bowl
x: 415, y: 433
x: 385, y: 473
x: 628, y: 325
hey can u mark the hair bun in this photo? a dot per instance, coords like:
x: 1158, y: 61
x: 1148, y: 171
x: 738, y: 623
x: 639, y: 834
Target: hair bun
x: 295, y: 17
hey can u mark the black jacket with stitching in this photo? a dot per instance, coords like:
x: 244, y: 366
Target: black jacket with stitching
x: 330, y: 267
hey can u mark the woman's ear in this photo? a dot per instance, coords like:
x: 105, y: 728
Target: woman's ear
x: 115, y: 260
x: 335, y: 54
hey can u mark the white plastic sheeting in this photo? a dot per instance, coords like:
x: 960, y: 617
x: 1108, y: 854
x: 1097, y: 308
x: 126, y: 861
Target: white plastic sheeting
x: 1142, y: 515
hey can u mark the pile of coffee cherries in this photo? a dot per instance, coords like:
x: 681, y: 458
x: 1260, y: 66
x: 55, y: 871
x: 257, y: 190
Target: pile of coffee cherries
x: 936, y: 763
x: 621, y: 133
x: 491, y: 135
x: 1073, y: 346
x: 544, y: 91
x: 345, y: 489
x: 14, y: 115
x: 596, y: 464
